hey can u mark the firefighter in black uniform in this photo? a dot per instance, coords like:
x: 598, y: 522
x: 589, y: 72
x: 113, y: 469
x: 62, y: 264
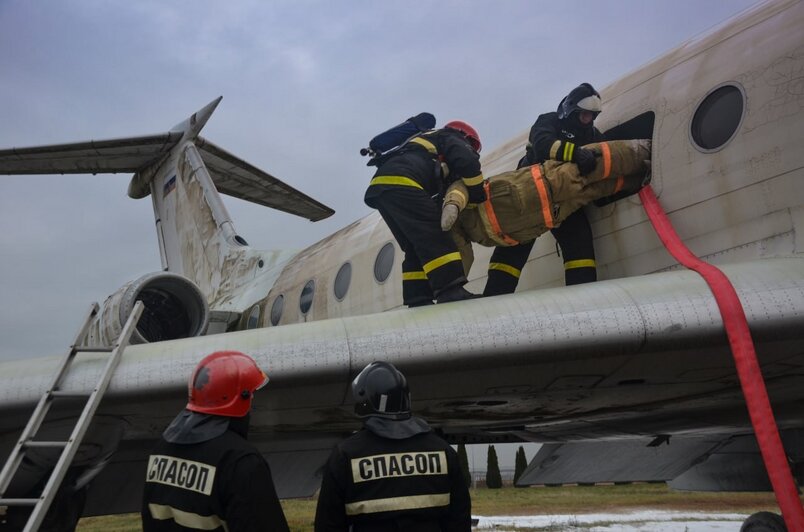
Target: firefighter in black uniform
x: 407, y: 190
x: 558, y: 136
x: 204, y: 475
x: 394, y: 474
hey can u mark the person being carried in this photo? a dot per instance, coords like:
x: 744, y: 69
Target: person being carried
x: 394, y: 474
x: 403, y: 190
x: 203, y: 474
x: 558, y: 136
x: 525, y: 203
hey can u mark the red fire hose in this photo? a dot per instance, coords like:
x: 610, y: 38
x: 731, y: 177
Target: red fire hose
x: 745, y: 358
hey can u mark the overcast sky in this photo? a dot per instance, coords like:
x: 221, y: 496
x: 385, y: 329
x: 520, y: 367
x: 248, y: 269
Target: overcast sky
x: 306, y: 84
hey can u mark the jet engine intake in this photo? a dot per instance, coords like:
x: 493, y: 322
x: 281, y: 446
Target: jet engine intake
x: 174, y: 308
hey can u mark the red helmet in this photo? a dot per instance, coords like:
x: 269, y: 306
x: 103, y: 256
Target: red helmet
x: 224, y: 383
x: 468, y: 131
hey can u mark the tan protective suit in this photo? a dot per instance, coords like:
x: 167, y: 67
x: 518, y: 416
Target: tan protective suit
x: 523, y: 204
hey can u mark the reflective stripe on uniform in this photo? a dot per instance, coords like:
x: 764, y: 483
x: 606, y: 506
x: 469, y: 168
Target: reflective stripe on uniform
x: 414, y: 276
x: 472, y: 181
x: 411, y: 502
x: 620, y: 183
x: 580, y: 263
x: 163, y: 512
x: 395, y: 180
x: 507, y: 268
x: 495, y: 224
x: 440, y: 261
x: 604, y: 149
x: 569, y: 151
x: 544, y: 199
x: 429, y: 146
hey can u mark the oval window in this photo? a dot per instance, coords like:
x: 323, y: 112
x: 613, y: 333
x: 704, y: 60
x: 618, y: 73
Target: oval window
x: 306, y: 298
x: 384, y: 262
x: 276, y: 309
x: 342, y: 281
x: 253, y: 317
x: 717, y: 118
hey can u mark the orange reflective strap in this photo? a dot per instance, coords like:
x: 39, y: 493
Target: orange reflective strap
x: 495, y: 224
x: 544, y: 199
x: 604, y: 148
x: 620, y: 182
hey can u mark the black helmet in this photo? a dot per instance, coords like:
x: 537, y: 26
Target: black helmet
x: 381, y: 390
x: 584, y: 97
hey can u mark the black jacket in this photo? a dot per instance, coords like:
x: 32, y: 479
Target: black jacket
x: 420, y: 161
x: 200, y: 485
x: 552, y: 138
x: 393, y: 475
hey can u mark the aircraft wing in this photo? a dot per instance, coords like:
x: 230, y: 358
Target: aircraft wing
x: 640, y: 357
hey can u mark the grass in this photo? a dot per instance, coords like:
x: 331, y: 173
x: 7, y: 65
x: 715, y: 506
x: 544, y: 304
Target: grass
x: 528, y: 501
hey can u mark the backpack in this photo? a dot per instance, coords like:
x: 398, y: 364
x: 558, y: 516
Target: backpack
x: 387, y: 143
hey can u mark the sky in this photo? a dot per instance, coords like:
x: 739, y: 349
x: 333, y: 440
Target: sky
x: 305, y: 85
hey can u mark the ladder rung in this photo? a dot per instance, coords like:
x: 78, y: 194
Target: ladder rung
x: 59, y: 393
x: 94, y: 349
x: 18, y: 502
x: 32, y: 444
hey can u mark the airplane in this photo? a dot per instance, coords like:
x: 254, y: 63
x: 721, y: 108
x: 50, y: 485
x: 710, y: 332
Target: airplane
x: 626, y: 379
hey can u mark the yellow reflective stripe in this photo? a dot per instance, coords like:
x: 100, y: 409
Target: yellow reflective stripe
x: 429, y: 146
x: 414, y: 276
x: 554, y: 150
x: 569, y: 150
x: 390, y: 504
x: 582, y: 263
x: 442, y: 260
x: 395, y: 180
x: 472, y: 181
x: 499, y: 266
x: 163, y: 512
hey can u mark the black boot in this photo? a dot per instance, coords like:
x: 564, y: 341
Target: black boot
x: 455, y: 293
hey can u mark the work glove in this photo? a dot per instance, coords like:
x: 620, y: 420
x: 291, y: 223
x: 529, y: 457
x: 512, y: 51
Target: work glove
x: 476, y: 194
x: 449, y: 214
x: 585, y: 159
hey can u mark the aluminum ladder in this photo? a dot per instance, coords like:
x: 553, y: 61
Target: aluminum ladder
x: 69, y: 447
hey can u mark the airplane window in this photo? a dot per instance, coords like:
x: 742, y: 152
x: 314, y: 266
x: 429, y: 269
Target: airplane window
x: 253, y: 317
x: 384, y: 262
x: 717, y: 118
x: 342, y: 281
x: 276, y: 309
x: 306, y: 298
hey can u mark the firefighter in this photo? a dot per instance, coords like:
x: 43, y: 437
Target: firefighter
x: 559, y: 136
x: 394, y: 474
x: 203, y: 474
x: 406, y: 190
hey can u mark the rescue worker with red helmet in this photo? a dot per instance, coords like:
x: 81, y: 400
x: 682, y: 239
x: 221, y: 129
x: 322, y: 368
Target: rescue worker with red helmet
x: 560, y: 136
x: 203, y: 474
x: 407, y: 189
x: 394, y: 473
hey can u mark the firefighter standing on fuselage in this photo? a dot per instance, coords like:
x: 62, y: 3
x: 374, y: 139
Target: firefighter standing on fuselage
x: 394, y: 474
x: 407, y: 190
x: 559, y: 136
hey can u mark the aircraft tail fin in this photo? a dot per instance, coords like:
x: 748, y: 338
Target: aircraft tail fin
x: 184, y: 174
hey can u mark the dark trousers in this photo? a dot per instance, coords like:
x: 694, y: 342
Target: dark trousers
x: 574, y: 236
x: 432, y: 262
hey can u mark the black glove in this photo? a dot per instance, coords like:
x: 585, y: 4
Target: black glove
x: 585, y: 159
x: 476, y: 194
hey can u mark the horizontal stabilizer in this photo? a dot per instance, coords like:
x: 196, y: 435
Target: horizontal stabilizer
x: 235, y: 177
x: 89, y: 157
